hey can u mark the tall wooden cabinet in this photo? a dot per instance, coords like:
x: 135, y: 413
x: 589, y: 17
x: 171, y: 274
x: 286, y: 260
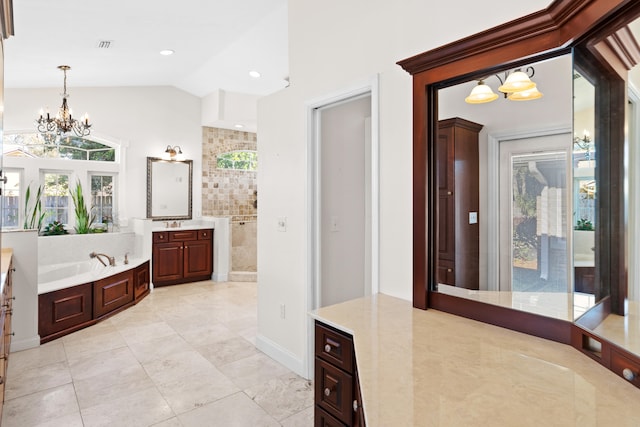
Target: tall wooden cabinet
x: 457, y: 178
x: 182, y: 256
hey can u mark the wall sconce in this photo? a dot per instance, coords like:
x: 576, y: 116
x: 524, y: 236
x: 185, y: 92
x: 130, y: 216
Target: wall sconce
x: 583, y: 144
x: 516, y: 86
x: 173, y: 153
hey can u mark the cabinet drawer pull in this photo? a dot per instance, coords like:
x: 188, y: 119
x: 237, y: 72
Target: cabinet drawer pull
x: 449, y: 193
x: 449, y: 270
x: 355, y: 406
x: 13, y: 334
x: 628, y: 374
x: 327, y: 348
x: 327, y: 391
x: 1, y: 380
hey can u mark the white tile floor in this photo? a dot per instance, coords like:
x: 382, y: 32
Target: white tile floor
x: 184, y: 356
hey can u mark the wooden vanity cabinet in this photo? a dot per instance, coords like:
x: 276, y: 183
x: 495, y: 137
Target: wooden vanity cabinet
x: 457, y: 177
x: 112, y: 293
x: 337, y: 397
x: 6, y: 312
x: 141, y: 282
x: 182, y: 256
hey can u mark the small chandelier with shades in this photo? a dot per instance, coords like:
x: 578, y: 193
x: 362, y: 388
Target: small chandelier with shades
x: 63, y: 122
x: 516, y: 86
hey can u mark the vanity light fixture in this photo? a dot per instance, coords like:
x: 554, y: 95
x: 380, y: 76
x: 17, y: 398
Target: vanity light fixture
x: 63, y: 122
x: 516, y: 86
x: 173, y: 153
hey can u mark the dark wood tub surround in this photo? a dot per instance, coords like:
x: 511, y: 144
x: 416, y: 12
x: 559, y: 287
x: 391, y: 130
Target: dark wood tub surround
x: 594, y: 29
x: 67, y: 310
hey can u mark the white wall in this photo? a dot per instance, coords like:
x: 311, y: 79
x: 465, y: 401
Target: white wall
x: 145, y: 119
x: 334, y: 45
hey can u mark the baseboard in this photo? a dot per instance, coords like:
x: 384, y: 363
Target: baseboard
x: 220, y: 277
x: 281, y: 355
x: 25, y: 344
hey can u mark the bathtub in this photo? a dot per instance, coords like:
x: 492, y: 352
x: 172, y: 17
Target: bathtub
x: 54, y: 277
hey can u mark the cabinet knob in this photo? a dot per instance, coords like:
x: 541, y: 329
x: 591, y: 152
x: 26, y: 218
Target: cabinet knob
x: 327, y: 348
x: 327, y: 391
x: 1, y: 380
x: 449, y: 193
x: 13, y: 334
x: 449, y: 270
x: 628, y: 374
x: 355, y: 406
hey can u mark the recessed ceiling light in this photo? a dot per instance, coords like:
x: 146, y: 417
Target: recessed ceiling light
x: 167, y: 52
x: 239, y: 126
x: 254, y: 74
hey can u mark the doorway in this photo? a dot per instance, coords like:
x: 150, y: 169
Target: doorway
x: 343, y: 189
x: 530, y: 199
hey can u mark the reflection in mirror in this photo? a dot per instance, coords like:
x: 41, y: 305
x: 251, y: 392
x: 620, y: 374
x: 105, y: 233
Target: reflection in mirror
x: 584, y: 194
x: 505, y: 206
x: 169, y: 189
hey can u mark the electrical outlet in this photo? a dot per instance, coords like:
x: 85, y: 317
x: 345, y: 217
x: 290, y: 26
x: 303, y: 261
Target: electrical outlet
x: 282, y: 311
x: 473, y: 217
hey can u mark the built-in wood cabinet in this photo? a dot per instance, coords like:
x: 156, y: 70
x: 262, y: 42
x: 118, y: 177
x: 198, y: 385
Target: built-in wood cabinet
x: 64, y: 311
x: 337, y: 396
x: 182, y: 256
x: 457, y: 175
x: 6, y: 313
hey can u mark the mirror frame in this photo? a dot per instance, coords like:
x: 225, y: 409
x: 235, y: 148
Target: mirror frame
x: 563, y: 25
x: 150, y: 177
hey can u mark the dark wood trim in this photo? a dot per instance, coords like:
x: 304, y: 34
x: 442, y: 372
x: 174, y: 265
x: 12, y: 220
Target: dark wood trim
x: 563, y: 22
x: 521, y: 321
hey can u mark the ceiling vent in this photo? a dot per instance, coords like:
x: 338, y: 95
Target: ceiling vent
x: 104, y: 44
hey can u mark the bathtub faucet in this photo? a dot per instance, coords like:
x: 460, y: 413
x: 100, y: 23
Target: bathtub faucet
x: 112, y: 260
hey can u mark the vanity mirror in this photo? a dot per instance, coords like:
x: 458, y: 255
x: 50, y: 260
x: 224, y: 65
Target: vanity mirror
x: 169, y: 189
x: 556, y: 172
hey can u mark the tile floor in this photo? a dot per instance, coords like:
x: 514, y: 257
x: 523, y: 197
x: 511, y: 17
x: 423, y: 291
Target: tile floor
x: 184, y: 356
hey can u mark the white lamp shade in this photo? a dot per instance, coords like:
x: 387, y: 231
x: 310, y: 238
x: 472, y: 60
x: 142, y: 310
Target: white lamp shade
x: 517, y: 81
x: 525, y: 95
x: 481, y: 94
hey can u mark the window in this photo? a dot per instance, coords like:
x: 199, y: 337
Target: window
x: 238, y: 160
x: 55, y: 199
x: 102, y: 193
x: 11, y: 199
x: 68, y: 147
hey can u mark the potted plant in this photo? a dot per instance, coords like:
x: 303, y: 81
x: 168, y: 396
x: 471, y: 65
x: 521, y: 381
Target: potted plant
x: 84, y: 218
x: 54, y: 228
x: 33, y: 215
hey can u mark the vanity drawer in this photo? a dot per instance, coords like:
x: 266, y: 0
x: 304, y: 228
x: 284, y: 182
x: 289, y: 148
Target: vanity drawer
x: 161, y: 236
x: 323, y: 419
x: 334, y: 391
x: 183, y: 235
x: 334, y: 347
x: 620, y: 362
x: 205, y: 234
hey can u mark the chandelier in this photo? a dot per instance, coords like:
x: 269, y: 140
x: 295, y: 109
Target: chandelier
x: 63, y: 122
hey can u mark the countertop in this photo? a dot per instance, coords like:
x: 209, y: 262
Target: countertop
x: 429, y: 368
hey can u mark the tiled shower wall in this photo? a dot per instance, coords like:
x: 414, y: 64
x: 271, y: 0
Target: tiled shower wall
x: 227, y: 192
x: 231, y: 193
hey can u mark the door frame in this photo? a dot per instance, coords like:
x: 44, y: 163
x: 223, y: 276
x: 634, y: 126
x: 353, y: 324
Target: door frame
x: 493, y: 194
x: 633, y: 182
x: 368, y: 87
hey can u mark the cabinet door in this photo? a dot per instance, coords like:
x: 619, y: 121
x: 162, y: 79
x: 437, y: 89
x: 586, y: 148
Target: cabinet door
x: 141, y: 278
x: 64, y: 309
x: 197, y: 258
x: 112, y: 293
x: 167, y: 261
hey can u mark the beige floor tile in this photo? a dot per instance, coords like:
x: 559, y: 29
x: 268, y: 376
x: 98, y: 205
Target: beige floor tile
x: 52, y: 352
x: 71, y: 420
x: 158, y: 348
x: 171, y: 422
x: 176, y: 366
x: 81, y: 348
x: 141, y: 409
x: 228, y: 351
x: 204, y: 335
x: 40, y: 407
x: 139, y: 333
x: 194, y: 391
x: 283, y: 396
x: 301, y: 419
x: 37, y: 379
x: 107, y: 387
x: 253, y: 370
x: 106, y: 362
x: 236, y: 410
